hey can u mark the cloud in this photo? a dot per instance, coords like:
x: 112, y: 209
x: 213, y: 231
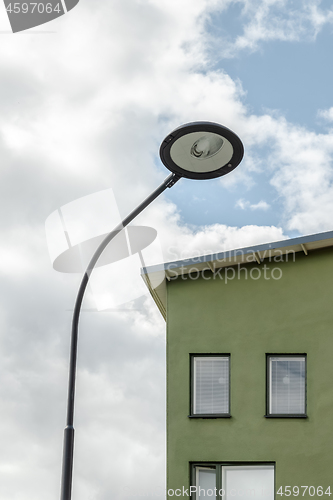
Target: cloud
x: 179, y: 241
x: 85, y: 109
x: 244, y: 204
x: 263, y: 21
x: 326, y: 114
x: 303, y: 178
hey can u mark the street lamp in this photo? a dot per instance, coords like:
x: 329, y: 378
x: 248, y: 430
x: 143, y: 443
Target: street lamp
x: 200, y: 150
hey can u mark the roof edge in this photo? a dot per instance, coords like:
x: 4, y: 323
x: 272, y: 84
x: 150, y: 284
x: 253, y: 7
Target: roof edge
x: 223, y: 256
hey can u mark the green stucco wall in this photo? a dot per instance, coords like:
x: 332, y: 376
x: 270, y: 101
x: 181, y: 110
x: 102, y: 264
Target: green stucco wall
x: 249, y: 318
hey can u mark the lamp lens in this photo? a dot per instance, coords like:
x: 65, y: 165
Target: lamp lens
x: 207, y: 146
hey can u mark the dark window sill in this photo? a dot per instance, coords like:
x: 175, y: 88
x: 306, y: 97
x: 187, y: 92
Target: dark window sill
x: 285, y: 416
x: 213, y: 415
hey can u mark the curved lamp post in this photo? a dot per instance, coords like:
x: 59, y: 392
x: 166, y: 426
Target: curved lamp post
x: 200, y: 150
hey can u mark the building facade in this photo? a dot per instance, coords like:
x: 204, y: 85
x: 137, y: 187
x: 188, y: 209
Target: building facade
x: 250, y: 371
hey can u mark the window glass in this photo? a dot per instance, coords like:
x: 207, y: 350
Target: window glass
x: 206, y: 482
x: 211, y: 385
x: 253, y: 481
x: 287, y: 385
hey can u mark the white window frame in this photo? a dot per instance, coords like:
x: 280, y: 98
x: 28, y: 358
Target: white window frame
x: 193, y: 410
x: 204, y: 468
x: 220, y: 471
x: 256, y: 467
x: 287, y: 357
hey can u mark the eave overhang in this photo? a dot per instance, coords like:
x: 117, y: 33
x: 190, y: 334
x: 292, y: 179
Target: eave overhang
x: 155, y: 277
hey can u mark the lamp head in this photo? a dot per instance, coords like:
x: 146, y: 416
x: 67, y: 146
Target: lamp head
x: 201, y: 150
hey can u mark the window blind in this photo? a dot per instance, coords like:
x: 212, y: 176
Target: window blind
x: 287, y: 385
x: 211, y: 385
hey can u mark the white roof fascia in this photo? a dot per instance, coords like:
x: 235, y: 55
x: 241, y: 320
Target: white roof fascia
x: 155, y: 276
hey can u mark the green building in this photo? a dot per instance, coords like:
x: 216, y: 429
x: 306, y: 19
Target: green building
x: 249, y: 370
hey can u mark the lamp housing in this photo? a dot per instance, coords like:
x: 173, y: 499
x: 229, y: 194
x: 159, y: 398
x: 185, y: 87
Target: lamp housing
x: 201, y: 150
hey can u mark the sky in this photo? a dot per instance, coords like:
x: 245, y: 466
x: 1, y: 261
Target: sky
x: 86, y: 101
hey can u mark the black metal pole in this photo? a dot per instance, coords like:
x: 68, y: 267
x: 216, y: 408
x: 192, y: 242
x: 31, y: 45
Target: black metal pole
x: 67, y: 463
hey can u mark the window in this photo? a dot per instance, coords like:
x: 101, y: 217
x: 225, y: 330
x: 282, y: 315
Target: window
x: 210, y: 385
x: 286, y: 385
x: 205, y: 477
x: 233, y: 481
